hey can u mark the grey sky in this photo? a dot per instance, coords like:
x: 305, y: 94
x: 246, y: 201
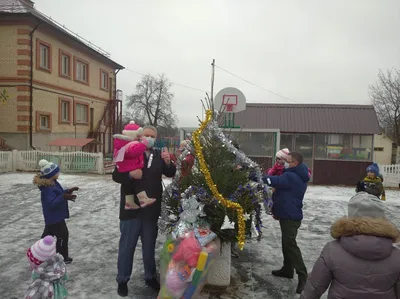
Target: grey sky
x: 311, y: 51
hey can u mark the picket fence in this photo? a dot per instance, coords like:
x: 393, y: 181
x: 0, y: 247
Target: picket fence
x: 77, y: 162
x: 391, y: 175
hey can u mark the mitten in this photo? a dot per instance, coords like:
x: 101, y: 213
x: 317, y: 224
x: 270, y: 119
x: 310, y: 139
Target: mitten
x: 360, y: 186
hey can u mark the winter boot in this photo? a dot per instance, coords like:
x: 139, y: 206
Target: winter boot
x: 123, y: 289
x: 282, y: 273
x: 144, y: 199
x: 130, y: 202
x: 300, y: 286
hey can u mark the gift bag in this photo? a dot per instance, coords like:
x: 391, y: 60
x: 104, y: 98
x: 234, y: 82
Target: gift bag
x: 185, y: 259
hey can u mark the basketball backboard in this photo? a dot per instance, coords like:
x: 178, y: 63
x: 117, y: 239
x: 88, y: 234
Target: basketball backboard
x: 230, y: 100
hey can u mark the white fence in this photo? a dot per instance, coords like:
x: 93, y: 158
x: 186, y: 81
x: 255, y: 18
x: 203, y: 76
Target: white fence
x: 68, y: 161
x: 391, y: 175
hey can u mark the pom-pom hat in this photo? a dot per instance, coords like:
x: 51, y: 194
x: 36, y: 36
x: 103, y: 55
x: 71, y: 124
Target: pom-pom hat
x: 283, y: 154
x: 41, y: 251
x: 48, y: 169
x: 374, y: 168
x: 132, y: 130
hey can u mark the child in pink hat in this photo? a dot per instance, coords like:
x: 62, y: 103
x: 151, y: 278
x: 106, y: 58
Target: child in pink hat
x: 129, y: 149
x: 279, y: 166
x: 49, y: 271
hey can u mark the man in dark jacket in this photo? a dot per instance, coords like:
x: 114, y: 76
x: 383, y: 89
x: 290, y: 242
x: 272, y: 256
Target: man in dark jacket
x: 142, y: 222
x: 290, y: 188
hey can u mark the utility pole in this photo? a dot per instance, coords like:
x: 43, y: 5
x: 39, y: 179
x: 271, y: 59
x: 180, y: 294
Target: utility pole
x: 212, y: 83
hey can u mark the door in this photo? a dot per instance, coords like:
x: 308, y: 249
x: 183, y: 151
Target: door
x: 304, y: 143
x: 91, y: 119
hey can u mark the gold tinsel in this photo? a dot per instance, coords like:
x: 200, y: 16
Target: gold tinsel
x: 206, y: 172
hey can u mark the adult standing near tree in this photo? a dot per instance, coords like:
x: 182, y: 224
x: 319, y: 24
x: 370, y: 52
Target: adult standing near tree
x: 290, y: 188
x: 142, y: 223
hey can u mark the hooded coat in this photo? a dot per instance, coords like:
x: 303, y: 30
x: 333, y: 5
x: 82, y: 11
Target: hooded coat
x: 55, y: 207
x: 360, y: 263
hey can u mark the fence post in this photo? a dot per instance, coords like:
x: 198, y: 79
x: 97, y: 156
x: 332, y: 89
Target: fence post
x: 100, y: 164
x: 14, y: 160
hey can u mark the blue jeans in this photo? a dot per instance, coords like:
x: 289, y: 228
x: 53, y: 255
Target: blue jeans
x: 131, y: 230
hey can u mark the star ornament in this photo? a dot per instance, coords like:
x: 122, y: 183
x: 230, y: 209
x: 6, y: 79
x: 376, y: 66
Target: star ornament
x: 246, y: 216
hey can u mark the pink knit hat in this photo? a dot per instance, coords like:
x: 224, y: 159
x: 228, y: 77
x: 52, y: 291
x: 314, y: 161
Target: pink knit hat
x: 41, y: 251
x: 283, y: 154
x: 132, y: 130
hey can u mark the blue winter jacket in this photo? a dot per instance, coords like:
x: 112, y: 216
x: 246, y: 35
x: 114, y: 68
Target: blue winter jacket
x: 290, y: 188
x: 55, y: 207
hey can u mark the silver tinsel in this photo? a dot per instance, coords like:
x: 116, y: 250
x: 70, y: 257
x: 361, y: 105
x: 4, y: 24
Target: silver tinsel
x: 165, y: 218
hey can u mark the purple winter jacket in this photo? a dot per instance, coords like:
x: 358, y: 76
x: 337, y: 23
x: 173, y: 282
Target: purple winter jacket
x: 360, y: 263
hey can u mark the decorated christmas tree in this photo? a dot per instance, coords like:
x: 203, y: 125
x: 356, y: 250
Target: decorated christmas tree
x: 210, y: 200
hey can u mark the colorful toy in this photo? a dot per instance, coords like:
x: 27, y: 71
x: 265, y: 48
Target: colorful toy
x: 188, y: 251
x: 201, y: 263
x: 177, y: 276
x: 204, y: 234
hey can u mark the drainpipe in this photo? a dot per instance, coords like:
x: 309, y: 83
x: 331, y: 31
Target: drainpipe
x: 31, y: 92
x: 115, y: 126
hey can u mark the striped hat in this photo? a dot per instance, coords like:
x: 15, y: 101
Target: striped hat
x: 48, y: 169
x: 41, y: 251
x: 283, y: 154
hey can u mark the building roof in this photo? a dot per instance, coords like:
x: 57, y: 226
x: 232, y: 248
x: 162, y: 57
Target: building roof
x: 79, y: 142
x: 310, y: 118
x: 25, y: 7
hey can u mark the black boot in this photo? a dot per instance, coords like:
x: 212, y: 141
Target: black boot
x: 123, y: 289
x: 153, y: 283
x: 300, y: 286
x: 68, y: 260
x: 282, y: 273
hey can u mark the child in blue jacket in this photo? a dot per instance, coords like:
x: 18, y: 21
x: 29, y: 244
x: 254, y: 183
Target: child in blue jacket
x: 55, y: 205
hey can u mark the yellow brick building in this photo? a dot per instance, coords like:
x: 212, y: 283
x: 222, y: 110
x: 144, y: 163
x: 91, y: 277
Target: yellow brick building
x: 53, y: 84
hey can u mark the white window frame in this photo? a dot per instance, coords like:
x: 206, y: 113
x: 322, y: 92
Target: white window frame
x: 44, y: 60
x: 104, y: 80
x: 82, y: 71
x: 81, y: 113
x: 47, y: 122
x: 65, y: 111
x: 65, y: 65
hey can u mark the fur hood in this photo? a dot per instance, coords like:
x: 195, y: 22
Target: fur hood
x: 41, y: 182
x: 352, y: 226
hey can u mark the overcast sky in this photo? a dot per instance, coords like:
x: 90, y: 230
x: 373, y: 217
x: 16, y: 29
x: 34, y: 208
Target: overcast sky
x: 310, y: 51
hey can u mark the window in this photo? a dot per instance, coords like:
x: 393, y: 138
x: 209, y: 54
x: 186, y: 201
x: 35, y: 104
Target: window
x: 65, y: 64
x: 64, y: 111
x: 255, y: 144
x: 343, y: 146
x: 81, y: 71
x: 43, y: 121
x: 378, y: 149
x: 81, y: 113
x: 43, y: 56
x: 104, y: 80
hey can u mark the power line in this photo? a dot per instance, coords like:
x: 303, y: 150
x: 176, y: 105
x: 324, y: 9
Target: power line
x: 254, y: 84
x: 173, y: 83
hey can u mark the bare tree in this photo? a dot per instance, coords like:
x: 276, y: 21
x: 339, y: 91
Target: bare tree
x: 386, y: 98
x: 151, y: 104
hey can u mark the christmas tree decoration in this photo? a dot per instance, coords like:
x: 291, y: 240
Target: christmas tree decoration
x: 246, y: 216
x: 227, y: 224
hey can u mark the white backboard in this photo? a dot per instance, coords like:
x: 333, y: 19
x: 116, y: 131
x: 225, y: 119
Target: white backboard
x: 230, y: 100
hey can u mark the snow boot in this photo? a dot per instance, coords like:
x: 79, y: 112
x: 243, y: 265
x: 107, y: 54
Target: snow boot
x: 144, y: 199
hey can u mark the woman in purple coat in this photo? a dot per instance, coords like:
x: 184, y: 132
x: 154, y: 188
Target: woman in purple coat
x: 361, y: 262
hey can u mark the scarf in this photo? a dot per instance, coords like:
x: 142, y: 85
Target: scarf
x: 375, y: 180
x: 48, y: 280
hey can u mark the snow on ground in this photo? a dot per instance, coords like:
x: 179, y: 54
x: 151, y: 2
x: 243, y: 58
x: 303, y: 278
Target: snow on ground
x: 94, y: 237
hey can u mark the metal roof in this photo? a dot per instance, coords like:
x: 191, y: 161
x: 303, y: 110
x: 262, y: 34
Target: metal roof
x: 79, y: 142
x: 25, y: 7
x: 310, y: 118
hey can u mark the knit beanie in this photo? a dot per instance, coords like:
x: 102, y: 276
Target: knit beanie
x: 374, y: 168
x: 48, y: 169
x: 132, y: 130
x: 41, y: 251
x: 364, y: 204
x: 283, y: 154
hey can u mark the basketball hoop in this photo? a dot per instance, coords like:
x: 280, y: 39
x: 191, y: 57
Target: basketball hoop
x: 229, y: 107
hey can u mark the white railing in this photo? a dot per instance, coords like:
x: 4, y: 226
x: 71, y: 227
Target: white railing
x: 68, y: 161
x: 391, y: 175
x: 6, y: 162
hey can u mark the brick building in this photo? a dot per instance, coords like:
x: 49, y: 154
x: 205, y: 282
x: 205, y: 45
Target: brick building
x: 53, y: 84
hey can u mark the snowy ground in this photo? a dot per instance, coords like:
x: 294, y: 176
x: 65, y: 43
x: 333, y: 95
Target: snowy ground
x: 94, y: 238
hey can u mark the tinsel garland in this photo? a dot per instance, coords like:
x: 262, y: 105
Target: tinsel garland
x: 206, y: 172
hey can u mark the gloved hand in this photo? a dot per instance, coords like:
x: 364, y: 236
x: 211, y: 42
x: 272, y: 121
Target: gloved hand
x: 360, y: 187
x: 68, y: 196
x: 73, y: 189
x: 276, y: 218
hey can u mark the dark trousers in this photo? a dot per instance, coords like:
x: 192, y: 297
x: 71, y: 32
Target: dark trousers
x: 131, y: 231
x: 292, y: 258
x: 60, y: 231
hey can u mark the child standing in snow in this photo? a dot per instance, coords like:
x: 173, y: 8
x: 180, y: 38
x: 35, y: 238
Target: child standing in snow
x: 129, y: 149
x: 49, y: 271
x: 372, y: 183
x: 55, y: 205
